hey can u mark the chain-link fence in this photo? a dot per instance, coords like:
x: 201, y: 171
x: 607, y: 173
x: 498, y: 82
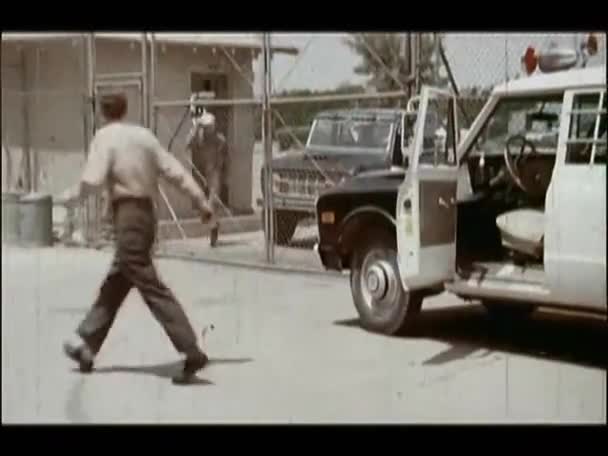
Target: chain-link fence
x: 321, y: 108
x: 326, y: 102
x: 332, y: 117
x: 476, y: 62
x: 45, y: 123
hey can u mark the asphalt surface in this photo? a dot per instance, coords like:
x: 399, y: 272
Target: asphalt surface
x: 285, y: 348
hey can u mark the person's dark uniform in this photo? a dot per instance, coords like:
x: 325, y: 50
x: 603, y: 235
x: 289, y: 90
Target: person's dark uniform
x: 128, y: 160
x: 210, y: 158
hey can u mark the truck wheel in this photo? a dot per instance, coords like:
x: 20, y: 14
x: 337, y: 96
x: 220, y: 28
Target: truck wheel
x: 384, y: 306
x: 508, y: 311
x: 285, y: 224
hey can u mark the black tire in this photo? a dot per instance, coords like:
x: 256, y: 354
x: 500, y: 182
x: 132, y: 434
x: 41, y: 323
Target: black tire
x: 500, y: 310
x: 398, y: 311
x: 285, y: 224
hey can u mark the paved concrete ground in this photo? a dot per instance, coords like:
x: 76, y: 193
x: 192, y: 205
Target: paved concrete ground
x: 286, y: 348
x: 249, y: 248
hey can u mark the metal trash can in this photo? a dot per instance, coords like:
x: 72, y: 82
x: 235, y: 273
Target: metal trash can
x: 36, y: 220
x: 10, y: 217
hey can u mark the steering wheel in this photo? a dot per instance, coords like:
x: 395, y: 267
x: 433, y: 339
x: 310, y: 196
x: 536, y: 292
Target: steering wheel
x: 516, y: 167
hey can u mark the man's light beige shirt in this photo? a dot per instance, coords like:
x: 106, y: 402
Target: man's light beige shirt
x: 128, y: 160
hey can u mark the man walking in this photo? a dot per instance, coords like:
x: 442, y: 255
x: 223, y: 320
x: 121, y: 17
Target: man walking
x: 209, y: 156
x: 128, y: 160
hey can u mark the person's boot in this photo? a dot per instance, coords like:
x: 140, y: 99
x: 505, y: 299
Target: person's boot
x: 213, y: 236
x: 193, y: 363
x: 80, y: 354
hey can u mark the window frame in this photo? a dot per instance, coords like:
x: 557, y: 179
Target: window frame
x: 573, y: 114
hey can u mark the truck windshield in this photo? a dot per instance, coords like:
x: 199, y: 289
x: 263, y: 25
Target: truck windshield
x: 536, y: 118
x: 352, y: 133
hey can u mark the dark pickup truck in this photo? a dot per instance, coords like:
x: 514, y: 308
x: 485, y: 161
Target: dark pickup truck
x: 341, y: 144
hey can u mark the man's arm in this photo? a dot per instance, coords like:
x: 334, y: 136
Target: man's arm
x: 93, y: 177
x: 225, y: 160
x: 176, y: 174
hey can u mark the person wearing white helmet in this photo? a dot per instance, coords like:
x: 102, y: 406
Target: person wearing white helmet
x: 210, y: 158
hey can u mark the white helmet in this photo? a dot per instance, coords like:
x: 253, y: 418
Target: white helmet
x: 195, y: 111
x: 207, y: 119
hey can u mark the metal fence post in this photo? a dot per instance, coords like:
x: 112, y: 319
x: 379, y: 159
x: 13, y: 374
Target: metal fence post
x: 267, y: 141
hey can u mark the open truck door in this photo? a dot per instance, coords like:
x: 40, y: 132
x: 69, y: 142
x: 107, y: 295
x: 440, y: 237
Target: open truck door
x: 426, y: 203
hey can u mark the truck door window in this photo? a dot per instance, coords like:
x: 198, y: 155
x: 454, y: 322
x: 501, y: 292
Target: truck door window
x: 585, y: 133
x: 438, y: 143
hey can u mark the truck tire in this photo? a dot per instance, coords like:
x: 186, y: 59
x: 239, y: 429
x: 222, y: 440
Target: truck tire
x: 382, y: 303
x: 500, y: 310
x: 285, y: 224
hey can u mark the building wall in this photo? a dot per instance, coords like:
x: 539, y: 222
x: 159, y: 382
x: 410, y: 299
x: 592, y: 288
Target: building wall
x: 12, y: 115
x: 54, y: 78
x: 49, y: 85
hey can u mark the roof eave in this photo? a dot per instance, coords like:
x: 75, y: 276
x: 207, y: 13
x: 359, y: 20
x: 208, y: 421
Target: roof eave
x: 159, y: 38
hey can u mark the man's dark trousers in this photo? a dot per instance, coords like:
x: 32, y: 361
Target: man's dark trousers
x: 135, y: 230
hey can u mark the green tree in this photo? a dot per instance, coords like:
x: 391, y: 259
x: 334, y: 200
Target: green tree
x: 382, y: 61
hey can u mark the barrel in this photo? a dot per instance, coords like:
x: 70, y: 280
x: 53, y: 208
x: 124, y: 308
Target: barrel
x: 36, y: 220
x: 10, y: 217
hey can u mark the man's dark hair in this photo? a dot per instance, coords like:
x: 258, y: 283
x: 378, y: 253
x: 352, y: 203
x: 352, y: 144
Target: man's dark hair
x: 114, y: 106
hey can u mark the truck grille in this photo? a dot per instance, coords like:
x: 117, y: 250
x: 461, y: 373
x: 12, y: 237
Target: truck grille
x: 298, y: 182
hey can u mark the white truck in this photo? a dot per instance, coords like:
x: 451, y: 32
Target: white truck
x: 513, y: 214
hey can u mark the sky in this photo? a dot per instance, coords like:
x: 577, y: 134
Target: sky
x: 325, y: 62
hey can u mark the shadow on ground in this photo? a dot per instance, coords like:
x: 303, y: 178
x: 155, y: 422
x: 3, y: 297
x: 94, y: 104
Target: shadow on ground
x: 546, y: 334
x: 229, y: 243
x: 166, y: 370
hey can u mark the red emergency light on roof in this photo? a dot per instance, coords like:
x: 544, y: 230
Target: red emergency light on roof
x: 530, y: 60
x: 592, y: 44
x: 556, y: 58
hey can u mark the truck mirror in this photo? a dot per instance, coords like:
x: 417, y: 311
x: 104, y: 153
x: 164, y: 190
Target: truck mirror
x: 406, y: 161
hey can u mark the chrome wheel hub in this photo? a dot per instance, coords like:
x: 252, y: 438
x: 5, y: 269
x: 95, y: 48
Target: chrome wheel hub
x: 376, y: 281
x: 379, y: 284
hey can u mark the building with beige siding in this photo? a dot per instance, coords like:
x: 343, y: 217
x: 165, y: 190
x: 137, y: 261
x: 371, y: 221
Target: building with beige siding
x: 46, y: 86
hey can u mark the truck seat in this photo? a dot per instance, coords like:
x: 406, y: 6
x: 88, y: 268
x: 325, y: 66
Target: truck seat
x: 523, y: 230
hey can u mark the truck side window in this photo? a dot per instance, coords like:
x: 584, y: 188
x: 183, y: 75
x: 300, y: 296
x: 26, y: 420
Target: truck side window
x: 581, y: 136
x: 600, y: 151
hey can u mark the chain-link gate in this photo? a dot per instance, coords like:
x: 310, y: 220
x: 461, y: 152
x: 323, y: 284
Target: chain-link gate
x: 329, y: 120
